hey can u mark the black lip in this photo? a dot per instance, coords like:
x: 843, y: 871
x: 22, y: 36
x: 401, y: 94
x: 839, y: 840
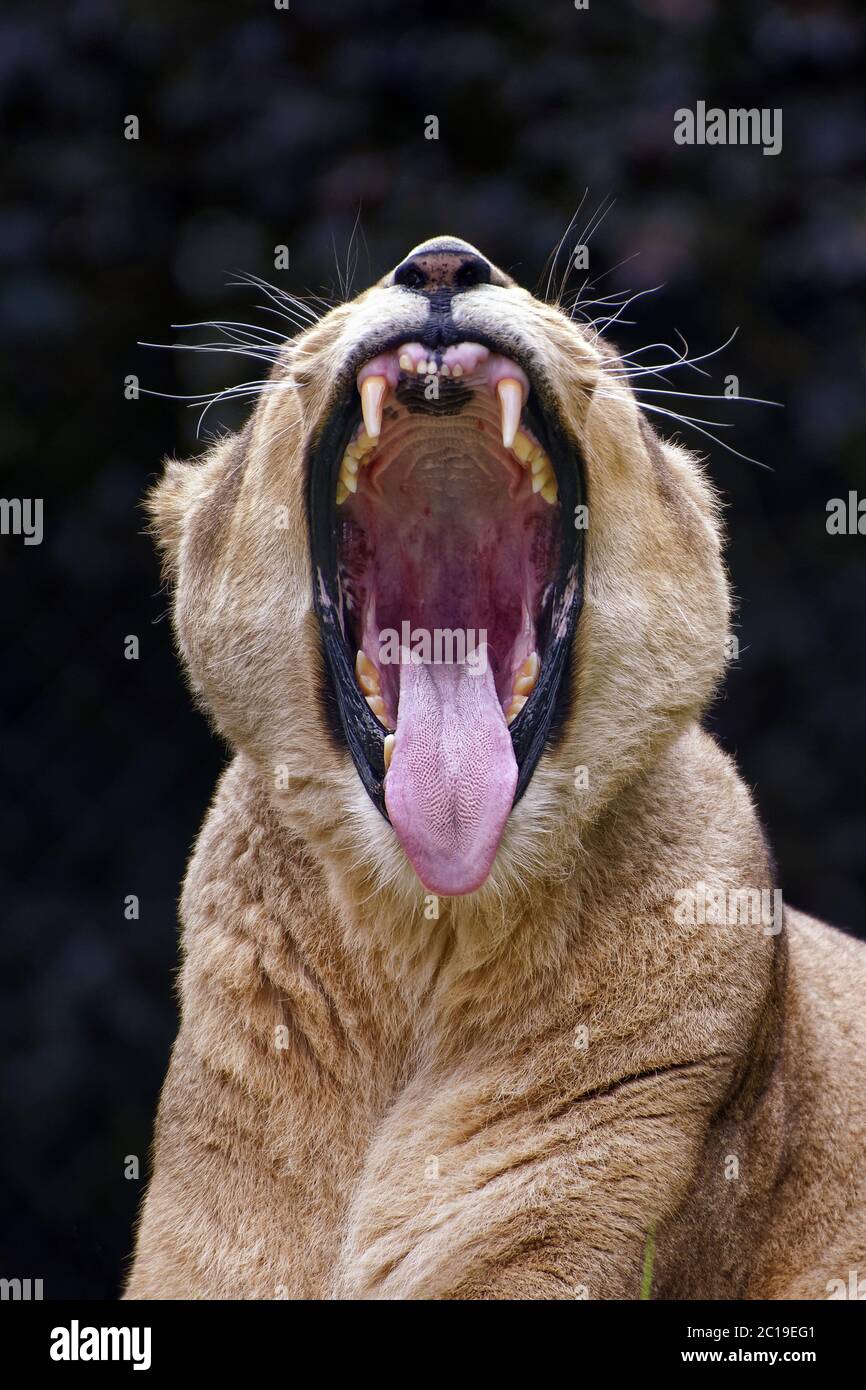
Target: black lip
x: 349, y: 717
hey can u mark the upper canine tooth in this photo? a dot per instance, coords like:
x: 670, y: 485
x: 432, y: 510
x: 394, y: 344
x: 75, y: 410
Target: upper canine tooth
x: 510, y: 394
x: 373, y: 390
x: 388, y: 749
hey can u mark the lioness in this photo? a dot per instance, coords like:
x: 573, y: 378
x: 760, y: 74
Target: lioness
x: 487, y: 988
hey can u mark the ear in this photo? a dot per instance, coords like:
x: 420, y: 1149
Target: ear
x: 173, y: 501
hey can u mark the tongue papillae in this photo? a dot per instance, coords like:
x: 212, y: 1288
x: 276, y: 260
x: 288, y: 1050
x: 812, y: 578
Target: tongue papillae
x: 452, y: 778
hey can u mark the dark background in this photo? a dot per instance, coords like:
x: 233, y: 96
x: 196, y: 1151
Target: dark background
x: 260, y: 127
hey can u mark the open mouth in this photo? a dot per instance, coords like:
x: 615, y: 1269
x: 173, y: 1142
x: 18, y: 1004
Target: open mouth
x: 447, y: 583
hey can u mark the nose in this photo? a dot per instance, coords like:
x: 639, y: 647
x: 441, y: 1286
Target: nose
x: 453, y: 267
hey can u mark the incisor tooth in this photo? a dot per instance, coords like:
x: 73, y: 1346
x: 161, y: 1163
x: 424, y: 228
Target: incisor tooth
x: 457, y: 369
x: 388, y: 749
x: 372, y: 395
x: 377, y: 705
x: 342, y: 492
x: 510, y: 394
x: 405, y: 362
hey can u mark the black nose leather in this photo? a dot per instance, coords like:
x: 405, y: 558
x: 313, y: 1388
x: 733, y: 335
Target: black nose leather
x: 442, y: 269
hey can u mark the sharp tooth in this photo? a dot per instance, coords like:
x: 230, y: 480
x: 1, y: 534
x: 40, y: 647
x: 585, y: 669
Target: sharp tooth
x: 367, y: 675
x: 349, y: 480
x: 515, y: 707
x: 539, y: 463
x: 373, y: 390
x: 510, y: 394
x: 377, y: 705
x: 523, y: 446
x: 350, y: 464
x: 550, y: 492
x: 405, y: 362
x: 363, y: 444
x: 540, y: 480
x: 342, y: 492
x: 527, y: 675
x: 388, y: 749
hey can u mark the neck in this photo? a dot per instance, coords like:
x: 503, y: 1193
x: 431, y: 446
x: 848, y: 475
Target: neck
x: 518, y: 929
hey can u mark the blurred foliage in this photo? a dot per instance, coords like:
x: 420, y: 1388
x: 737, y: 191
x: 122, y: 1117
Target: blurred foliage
x: 262, y: 127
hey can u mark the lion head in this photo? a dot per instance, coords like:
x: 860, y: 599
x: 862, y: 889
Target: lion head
x: 447, y: 590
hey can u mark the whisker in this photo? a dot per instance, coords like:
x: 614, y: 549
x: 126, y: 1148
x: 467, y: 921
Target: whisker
x: 691, y: 423
x: 679, y: 359
x: 701, y: 396
x: 554, y: 256
x: 614, y: 318
x: 225, y: 324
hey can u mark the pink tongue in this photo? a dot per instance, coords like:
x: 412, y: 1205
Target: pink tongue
x: 451, y: 781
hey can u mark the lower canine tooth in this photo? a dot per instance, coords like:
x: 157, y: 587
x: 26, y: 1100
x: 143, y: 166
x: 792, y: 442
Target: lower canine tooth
x: 388, y: 749
x: 510, y: 394
x: 373, y: 390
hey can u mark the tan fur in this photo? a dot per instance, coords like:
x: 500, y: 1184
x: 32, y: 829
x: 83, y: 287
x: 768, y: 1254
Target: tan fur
x: 438, y: 1125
